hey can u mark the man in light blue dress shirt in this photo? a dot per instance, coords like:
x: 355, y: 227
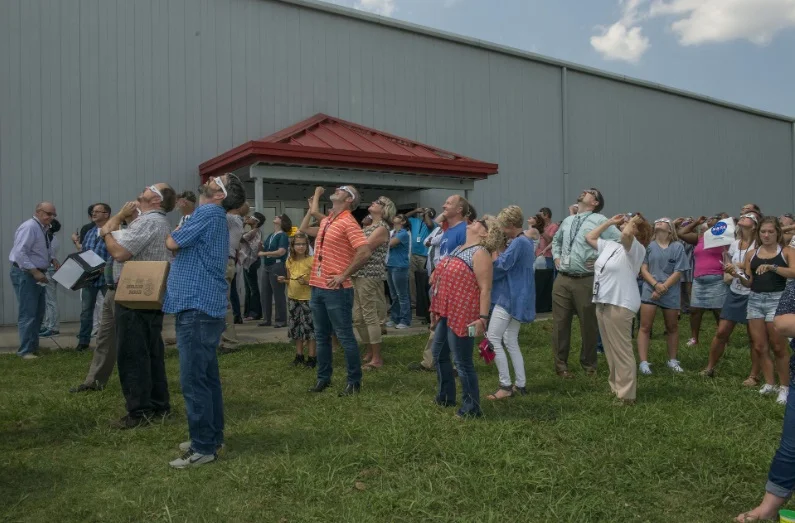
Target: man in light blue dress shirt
x: 572, y: 292
x: 30, y: 257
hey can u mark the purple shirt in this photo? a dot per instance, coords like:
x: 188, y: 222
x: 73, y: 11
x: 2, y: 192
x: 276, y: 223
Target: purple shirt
x: 31, y: 249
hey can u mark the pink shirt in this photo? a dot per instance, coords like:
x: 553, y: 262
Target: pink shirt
x: 708, y: 261
x: 550, y: 231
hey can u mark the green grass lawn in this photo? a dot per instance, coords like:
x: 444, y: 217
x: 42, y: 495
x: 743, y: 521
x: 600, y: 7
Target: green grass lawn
x: 692, y: 449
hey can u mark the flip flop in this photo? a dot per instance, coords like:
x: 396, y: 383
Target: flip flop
x: 370, y: 367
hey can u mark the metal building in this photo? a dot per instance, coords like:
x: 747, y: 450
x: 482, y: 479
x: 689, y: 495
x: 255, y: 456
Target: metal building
x: 100, y: 97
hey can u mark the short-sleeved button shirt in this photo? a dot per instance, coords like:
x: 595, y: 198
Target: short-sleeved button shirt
x: 197, y: 276
x: 145, y: 238
x: 337, y: 240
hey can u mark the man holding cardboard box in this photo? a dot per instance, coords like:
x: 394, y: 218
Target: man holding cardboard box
x: 139, y: 341
x: 197, y: 294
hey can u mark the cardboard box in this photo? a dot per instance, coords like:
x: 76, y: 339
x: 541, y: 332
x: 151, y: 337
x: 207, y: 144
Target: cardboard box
x: 79, y: 270
x: 142, y: 284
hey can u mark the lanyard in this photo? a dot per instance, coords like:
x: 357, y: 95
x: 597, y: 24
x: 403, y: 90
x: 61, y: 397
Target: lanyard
x: 573, y: 232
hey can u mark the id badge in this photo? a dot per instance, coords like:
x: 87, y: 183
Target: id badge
x: 565, y: 261
x: 595, y: 288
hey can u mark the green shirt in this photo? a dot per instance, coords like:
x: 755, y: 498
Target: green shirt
x: 569, y: 245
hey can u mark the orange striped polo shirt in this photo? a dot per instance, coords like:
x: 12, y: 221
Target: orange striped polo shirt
x: 335, y: 245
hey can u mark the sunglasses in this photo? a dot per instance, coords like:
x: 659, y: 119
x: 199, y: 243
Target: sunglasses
x: 483, y: 223
x: 379, y: 201
x: 347, y: 190
x: 155, y: 190
x: 220, y: 184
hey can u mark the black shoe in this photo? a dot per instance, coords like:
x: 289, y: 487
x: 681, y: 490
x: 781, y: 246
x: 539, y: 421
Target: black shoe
x: 419, y: 367
x: 299, y: 360
x: 351, y: 389
x: 264, y: 324
x: 522, y: 391
x: 279, y: 325
x: 86, y: 388
x: 238, y: 320
x: 129, y: 422
x: 310, y: 362
x: 320, y: 386
x: 81, y: 347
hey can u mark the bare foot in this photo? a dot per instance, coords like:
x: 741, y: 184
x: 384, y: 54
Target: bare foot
x: 367, y: 357
x: 766, y: 511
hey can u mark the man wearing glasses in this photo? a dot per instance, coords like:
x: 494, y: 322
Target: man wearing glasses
x: 30, y: 256
x: 139, y: 340
x: 340, y: 250
x: 100, y: 214
x: 572, y: 292
x: 197, y: 294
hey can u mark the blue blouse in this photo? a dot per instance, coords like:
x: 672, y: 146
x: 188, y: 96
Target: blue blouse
x: 399, y: 254
x: 514, y: 287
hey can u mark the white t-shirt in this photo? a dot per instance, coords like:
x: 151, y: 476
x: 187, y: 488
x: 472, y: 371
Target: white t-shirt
x: 738, y: 258
x: 616, y: 274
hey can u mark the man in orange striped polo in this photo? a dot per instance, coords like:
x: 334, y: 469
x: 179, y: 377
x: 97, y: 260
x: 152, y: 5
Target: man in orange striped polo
x: 340, y: 249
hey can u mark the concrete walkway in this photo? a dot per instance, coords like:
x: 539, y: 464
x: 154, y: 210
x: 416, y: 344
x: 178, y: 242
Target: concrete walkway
x: 248, y: 333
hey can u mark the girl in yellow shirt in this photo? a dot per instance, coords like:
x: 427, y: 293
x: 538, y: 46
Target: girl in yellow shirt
x: 299, y: 323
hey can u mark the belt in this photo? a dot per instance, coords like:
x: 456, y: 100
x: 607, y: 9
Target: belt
x: 575, y: 275
x: 15, y: 264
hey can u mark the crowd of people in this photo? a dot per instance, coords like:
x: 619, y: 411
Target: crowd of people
x: 468, y: 276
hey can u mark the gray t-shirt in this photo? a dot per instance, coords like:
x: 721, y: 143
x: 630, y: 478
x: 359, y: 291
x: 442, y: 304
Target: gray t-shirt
x: 235, y: 225
x: 664, y: 262
x: 145, y: 238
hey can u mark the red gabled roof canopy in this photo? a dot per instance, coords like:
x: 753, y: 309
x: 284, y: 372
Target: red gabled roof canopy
x: 325, y: 141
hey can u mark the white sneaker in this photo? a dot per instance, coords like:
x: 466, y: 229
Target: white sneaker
x: 783, y: 392
x: 185, y: 447
x: 192, y: 458
x: 390, y: 323
x: 674, y: 366
x: 29, y: 356
x: 401, y: 326
x: 768, y: 389
x: 645, y: 368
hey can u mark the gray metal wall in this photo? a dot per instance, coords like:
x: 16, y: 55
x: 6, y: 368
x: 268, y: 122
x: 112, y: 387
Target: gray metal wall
x: 100, y: 97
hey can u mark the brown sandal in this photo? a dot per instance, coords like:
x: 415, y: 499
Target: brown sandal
x: 494, y: 397
x: 751, y: 381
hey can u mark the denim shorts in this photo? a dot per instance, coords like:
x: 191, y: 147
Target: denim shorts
x: 763, y: 305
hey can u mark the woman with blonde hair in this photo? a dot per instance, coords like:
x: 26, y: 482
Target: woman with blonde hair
x: 460, y: 301
x: 513, y: 296
x: 662, y: 268
x: 368, y: 282
x: 735, y: 308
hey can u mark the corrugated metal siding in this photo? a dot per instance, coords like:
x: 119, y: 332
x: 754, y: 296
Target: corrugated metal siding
x: 668, y: 155
x: 100, y: 97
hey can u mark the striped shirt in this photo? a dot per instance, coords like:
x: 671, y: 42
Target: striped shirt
x: 337, y: 240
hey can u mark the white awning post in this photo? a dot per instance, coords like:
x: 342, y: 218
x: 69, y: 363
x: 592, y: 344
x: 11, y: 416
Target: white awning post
x: 259, y: 188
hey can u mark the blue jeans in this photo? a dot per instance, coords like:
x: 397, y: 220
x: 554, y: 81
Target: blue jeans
x: 198, y: 336
x: 398, y: 280
x: 445, y: 341
x: 88, y: 300
x: 31, y: 301
x: 781, y: 478
x: 332, y: 313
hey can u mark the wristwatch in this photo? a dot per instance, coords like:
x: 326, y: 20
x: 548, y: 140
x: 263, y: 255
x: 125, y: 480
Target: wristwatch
x: 484, y: 316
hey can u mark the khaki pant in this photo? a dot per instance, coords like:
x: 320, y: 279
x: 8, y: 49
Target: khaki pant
x: 104, y: 358
x: 572, y: 296
x: 416, y: 263
x: 230, y: 334
x: 368, y: 300
x: 615, y: 324
x: 381, y: 303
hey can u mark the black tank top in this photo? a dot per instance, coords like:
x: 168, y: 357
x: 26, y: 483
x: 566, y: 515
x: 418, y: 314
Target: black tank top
x: 769, y: 281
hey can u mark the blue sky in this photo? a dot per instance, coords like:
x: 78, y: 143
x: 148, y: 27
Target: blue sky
x: 742, y: 51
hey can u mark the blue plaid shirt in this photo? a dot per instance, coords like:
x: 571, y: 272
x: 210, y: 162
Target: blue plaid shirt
x: 197, y: 276
x: 92, y: 242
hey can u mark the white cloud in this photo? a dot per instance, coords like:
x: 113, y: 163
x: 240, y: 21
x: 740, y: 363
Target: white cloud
x: 695, y: 22
x: 708, y: 21
x: 619, y: 42
x: 379, y: 7
x: 624, y: 39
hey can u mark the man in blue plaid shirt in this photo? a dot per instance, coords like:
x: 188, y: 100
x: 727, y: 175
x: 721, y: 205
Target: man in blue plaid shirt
x: 196, y: 294
x: 100, y: 213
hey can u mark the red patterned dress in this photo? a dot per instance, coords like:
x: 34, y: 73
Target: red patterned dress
x: 455, y: 292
